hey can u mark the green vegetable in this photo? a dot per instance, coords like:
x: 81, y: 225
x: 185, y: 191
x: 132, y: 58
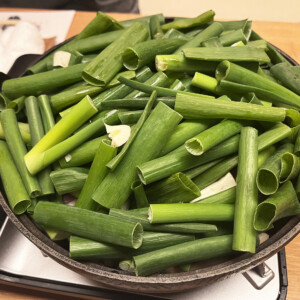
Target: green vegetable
x: 244, y: 235
x: 16, y: 193
x: 89, y: 224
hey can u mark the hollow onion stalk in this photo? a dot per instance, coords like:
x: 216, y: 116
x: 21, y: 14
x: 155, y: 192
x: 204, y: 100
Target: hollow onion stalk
x: 195, y: 107
x: 244, y: 235
x: 267, y: 179
x: 88, y: 224
x: 17, y: 196
x: 69, y: 180
x: 233, y: 54
x: 96, y: 174
x: 281, y: 204
x: 190, y: 212
x: 84, y: 249
x: 212, y: 136
x: 36, y: 83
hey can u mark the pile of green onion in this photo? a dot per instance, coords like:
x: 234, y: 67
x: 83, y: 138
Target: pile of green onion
x: 197, y: 98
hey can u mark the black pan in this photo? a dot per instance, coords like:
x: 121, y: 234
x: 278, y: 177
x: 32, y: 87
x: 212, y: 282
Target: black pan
x: 284, y: 231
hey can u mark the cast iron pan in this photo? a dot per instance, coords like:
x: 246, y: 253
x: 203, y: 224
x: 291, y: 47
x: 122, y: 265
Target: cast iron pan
x: 284, y: 231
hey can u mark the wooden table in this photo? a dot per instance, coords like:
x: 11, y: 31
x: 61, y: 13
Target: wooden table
x: 286, y: 36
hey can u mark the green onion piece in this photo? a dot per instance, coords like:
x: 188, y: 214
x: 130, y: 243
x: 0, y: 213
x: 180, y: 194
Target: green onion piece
x: 244, y: 235
x: 231, y: 37
x: 142, y: 217
x: 212, y: 42
x: 225, y: 86
x: 14, y: 188
x: 174, y: 189
x: 143, y: 54
x: 205, y: 82
x: 24, y: 130
x: 84, y: 249
x: 116, y: 160
x: 158, y: 79
x: 95, y: 42
x: 130, y: 117
x: 46, y: 112
x: 175, y: 34
x: 109, y: 62
x: 290, y: 167
x: 195, y: 107
x: 216, y: 172
x: 190, y: 212
x: 135, y: 103
x: 189, y: 252
x: 33, y: 84
x: 292, y: 118
x: 273, y: 53
x: 36, y: 133
x: 69, y: 180
x: 17, y: 105
x: 234, y: 54
x: 139, y: 194
x: 226, y: 197
x: 211, y: 31
x: 155, y: 27
x: 34, y: 159
x: 267, y: 179
x: 178, y: 63
x: 281, y: 204
x: 234, y: 25
x: 286, y: 74
x: 193, y: 172
x: 115, y: 188
x: 96, y: 175
x: 231, y: 72
x: 212, y: 136
x: 18, y: 150
x: 88, y: 224
x: 183, y: 132
x: 4, y: 101
x: 82, y: 155
x: 202, y: 19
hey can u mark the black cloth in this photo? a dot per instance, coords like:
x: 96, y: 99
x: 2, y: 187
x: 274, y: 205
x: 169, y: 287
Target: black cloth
x: 125, y: 6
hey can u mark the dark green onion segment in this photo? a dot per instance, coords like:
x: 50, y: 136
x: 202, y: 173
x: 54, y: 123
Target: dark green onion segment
x: 17, y: 196
x: 89, y: 224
